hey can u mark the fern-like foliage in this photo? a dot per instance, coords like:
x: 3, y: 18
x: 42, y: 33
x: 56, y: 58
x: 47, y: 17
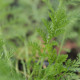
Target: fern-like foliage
x: 57, y: 26
x: 33, y: 69
x: 55, y: 70
x: 7, y: 72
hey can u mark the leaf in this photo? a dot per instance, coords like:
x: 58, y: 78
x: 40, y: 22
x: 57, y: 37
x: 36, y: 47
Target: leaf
x: 61, y: 58
x: 52, y: 57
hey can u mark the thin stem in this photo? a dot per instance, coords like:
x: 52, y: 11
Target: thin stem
x: 27, y: 56
x: 41, y: 67
x: 16, y: 68
x: 24, y: 69
x: 5, y: 51
x: 62, y: 43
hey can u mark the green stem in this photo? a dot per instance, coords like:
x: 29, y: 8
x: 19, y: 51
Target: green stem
x: 62, y: 43
x: 27, y: 56
x: 41, y: 67
x: 24, y: 69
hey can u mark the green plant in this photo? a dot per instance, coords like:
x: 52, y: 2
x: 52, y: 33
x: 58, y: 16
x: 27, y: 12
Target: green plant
x: 72, y: 7
x: 7, y: 70
x: 55, y: 70
x: 74, y: 28
x: 32, y: 68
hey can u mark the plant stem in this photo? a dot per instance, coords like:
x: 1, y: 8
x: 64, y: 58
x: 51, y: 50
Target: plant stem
x: 27, y: 56
x: 24, y: 69
x: 62, y: 43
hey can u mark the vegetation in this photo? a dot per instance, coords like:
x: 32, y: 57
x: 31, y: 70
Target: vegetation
x: 22, y: 55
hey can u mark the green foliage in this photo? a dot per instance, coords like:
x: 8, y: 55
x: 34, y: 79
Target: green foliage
x: 59, y: 20
x: 56, y: 70
x: 7, y: 72
x: 33, y: 68
x: 74, y: 15
x: 55, y: 28
x: 18, y: 17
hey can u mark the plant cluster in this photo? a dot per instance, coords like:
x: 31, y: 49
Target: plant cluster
x: 21, y: 64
